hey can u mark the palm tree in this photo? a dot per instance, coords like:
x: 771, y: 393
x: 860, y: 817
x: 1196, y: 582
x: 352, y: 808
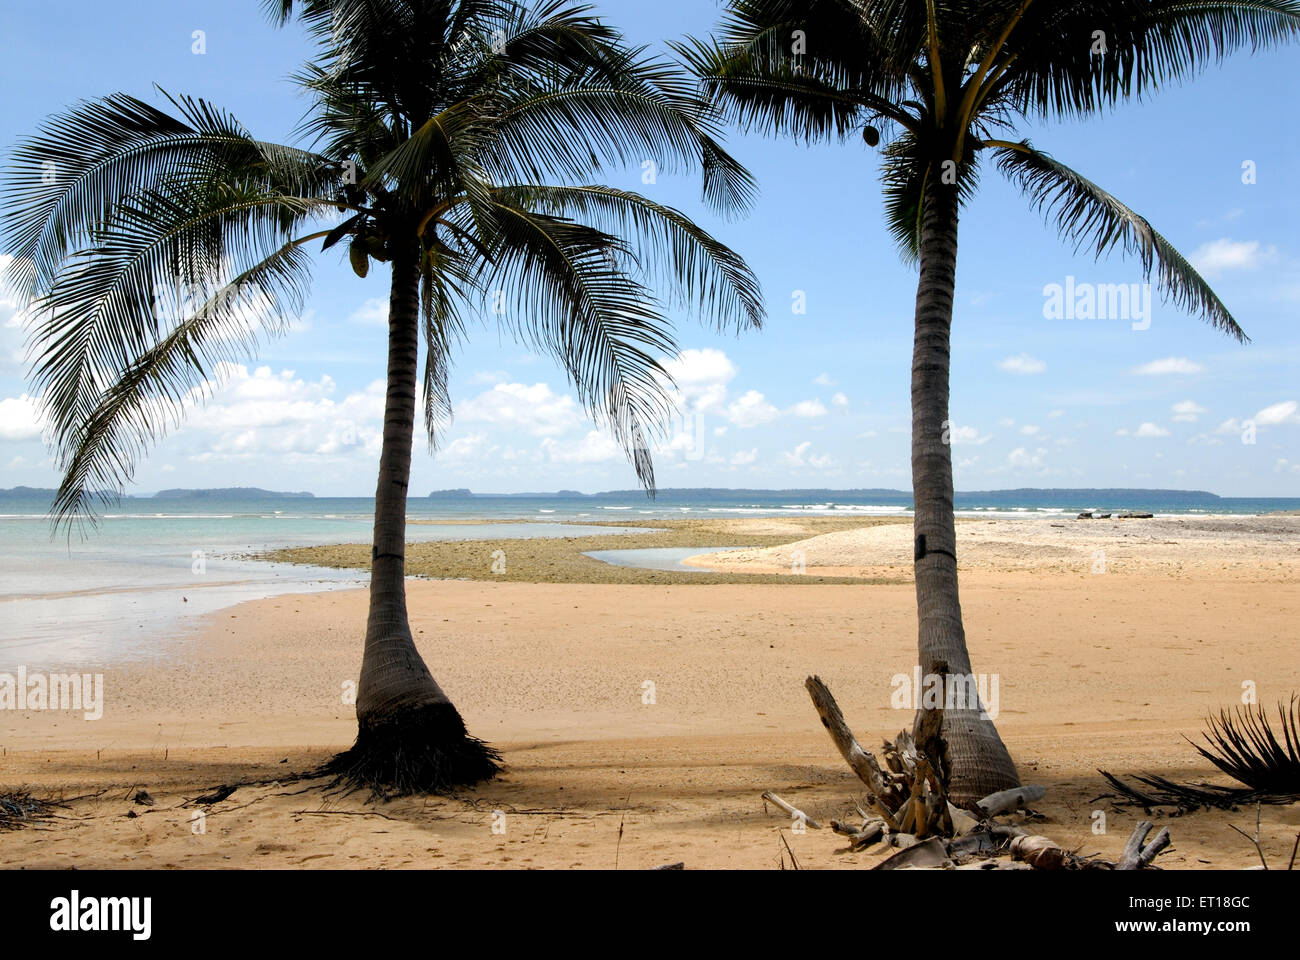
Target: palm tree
x: 945, y: 83
x: 456, y: 138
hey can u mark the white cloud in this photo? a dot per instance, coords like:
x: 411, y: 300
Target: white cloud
x: 262, y: 412
x: 1187, y: 411
x: 701, y: 377
x: 743, y: 458
x: 595, y: 447
x: 1169, y: 365
x: 1145, y: 430
x: 1022, y: 459
x: 959, y: 436
x: 840, y: 400
x: 798, y: 457
x: 490, y: 376
x: 536, y: 409
x: 20, y: 418
x: 751, y: 410
x: 808, y: 409
x: 1030, y: 429
x: 824, y: 380
x: 1231, y: 425
x: 470, y: 447
x: 1224, y: 254
x: 1284, y: 412
x: 372, y: 313
x: 1022, y: 364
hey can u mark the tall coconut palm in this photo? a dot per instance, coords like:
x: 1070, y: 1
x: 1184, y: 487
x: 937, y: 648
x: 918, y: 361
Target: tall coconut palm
x: 457, y: 138
x: 945, y: 83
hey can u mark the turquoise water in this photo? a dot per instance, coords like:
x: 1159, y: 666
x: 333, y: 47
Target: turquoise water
x: 144, y: 578
x: 154, y: 567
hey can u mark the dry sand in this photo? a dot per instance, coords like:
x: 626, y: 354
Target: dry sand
x: 1095, y: 671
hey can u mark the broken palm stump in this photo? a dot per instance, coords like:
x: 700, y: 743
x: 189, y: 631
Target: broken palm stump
x: 907, y: 806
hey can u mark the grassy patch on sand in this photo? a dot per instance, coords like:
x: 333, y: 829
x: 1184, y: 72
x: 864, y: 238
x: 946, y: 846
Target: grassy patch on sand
x: 561, y: 559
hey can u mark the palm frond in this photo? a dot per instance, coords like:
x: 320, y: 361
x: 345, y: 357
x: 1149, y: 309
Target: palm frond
x: 1089, y: 216
x: 98, y: 452
x: 1244, y: 745
x: 573, y: 300
x: 681, y: 256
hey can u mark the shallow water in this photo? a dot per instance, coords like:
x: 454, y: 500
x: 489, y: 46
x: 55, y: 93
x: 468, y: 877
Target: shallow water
x: 142, y: 580
x: 658, y: 558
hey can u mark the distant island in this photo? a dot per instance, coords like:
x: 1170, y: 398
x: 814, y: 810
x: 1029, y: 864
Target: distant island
x: 230, y: 493
x: 220, y: 493
x: 824, y: 495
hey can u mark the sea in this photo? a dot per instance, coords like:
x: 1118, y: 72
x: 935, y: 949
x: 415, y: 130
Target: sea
x: 152, y: 568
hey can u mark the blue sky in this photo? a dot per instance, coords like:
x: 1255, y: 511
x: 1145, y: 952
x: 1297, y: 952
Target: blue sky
x: 816, y: 399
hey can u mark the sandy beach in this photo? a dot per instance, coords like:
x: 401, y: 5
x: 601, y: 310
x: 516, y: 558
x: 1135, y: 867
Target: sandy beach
x: 1097, y: 670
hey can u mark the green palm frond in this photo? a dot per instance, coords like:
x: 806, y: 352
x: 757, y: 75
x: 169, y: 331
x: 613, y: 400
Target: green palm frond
x: 681, y: 257
x: 1058, y: 66
x: 1087, y: 215
x: 572, y: 299
x: 99, y: 450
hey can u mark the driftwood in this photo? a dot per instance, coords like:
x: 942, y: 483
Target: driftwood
x: 907, y: 806
x: 1135, y: 855
x: 859, y: 761
x: 1038, y: 852
x: 795, y: 812
x: 679, y: 865
x: 1004, y: 801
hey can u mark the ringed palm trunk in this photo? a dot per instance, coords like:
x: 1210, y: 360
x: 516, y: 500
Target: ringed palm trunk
x: 980, y: 763
x: 410, y: 738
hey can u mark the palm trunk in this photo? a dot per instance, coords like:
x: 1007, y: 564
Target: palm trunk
x: 410, y: 737
x: 980, y: 764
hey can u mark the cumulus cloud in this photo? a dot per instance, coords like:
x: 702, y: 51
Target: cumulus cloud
x: 1145, y: 430
x: 701, y: 377
x: 840, y: 400
x: 799, y: 457
x: 751, y: 409
x: 1022, y: 364
x: 371, y: 313
x: 744, y: 458
x: 809, y: 409
x: 1021, y: 459
x: 959, y: 436
x: 1168, y: 365
x: 824, y: 380
x: 536, y: 409
x: 262, y: 412
x: 1188, y: 411
x: 1284, y: 412
x: 595, y: 447
x: 1222, y: 255
x: 20, y: 418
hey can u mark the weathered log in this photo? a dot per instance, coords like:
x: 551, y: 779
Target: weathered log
x: 1038, y: 852
x: 1135, y: 855
x: 1004, y: 801
x: 679, y: 865
x: 795, y: 812
x: 861, y: 762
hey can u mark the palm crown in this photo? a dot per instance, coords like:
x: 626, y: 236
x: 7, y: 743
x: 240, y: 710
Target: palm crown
x: 947, y: 82
x: 456, y: 136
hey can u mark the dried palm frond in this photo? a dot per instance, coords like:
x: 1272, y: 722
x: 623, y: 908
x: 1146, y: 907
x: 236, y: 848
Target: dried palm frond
x: 1244, y: 746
